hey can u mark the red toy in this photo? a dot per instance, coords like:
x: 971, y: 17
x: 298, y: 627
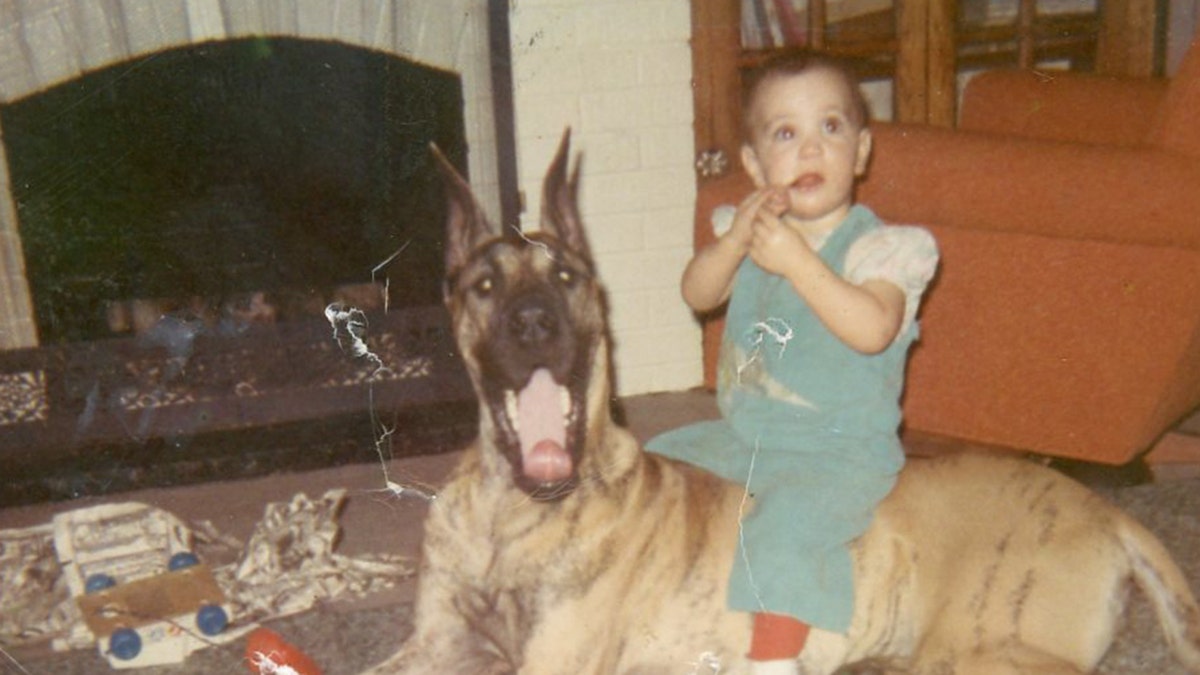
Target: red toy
x: 267, y: 653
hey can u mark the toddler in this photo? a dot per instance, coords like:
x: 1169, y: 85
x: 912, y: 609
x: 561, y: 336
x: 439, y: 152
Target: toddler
x: 822, y: 300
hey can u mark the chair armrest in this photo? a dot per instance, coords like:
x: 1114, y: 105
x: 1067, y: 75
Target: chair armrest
x: 925, y: 175
x: 1064, y: 106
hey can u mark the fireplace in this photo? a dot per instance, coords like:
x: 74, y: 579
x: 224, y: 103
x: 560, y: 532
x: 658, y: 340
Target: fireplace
x: 213, y: 234
x: 208, y: 188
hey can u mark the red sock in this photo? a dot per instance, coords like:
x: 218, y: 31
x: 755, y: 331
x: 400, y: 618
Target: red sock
x: 777, y: 636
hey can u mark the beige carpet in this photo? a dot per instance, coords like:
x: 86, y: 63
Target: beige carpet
x: 344, y: 637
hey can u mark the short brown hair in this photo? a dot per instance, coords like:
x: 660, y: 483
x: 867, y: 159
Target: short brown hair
x: 796, y: 62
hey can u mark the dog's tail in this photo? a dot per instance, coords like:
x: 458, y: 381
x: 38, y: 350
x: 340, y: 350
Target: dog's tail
x: 1167, y: 588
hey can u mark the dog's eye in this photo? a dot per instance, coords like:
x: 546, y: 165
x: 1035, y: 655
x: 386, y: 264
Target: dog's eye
x: 484, y: 286
x: 566, y: 276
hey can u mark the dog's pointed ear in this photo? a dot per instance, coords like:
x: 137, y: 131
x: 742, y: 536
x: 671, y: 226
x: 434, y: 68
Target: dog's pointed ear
x: 560, y: 208
x: 466, y: 223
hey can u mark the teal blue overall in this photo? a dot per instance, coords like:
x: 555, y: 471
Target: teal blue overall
x: 810, y: 427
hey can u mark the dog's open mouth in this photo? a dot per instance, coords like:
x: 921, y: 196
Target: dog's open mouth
x: 541, y: 420
x: 540, y: 414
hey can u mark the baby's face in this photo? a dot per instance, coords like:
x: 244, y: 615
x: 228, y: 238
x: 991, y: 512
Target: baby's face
x: 806, y: 140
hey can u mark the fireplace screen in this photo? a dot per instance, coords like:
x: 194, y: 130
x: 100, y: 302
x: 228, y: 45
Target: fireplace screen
x: 227, y: 236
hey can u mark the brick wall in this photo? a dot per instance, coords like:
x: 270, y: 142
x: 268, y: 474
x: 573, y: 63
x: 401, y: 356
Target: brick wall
x: 618, y: 72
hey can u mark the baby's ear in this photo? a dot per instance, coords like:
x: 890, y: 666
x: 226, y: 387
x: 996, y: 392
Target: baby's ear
x: 864, y: 151
x: 752, y: 166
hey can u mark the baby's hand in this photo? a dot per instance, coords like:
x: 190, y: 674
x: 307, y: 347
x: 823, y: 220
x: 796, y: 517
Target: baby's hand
x: 766, y: 200
x: 775, y: 247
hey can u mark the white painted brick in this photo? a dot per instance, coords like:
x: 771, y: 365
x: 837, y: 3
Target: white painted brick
x: 533, y: 159
x: 611, y: 182
x: 546, y: 3
x: 676, y: 20
x: 643, y: 270
x: 614, y: 233
x: 550, y: 71
x: 681, y: 351
x: 669, y: 228
x: 666, y: 63
x: 630, y: 107
x: 611, y: 193
x: 606, y: 24
x: 645, y: 347
x: 637, y: 107
x: 612, y: 68
x: 615, y: 109
x: 655, y: 308
x: 677, y: 100
x: 545, y: 115
x: 609, y: 231
x: 542, y: 28
x: 629, y: 311
x: 669, y: 307
x: 660, y: 345
x: 623, y: 272
x: 678, y: 377
x: 672, y: 146
x: 668, y: 187
x: 639, y: 190
x: 629, y: 380
x: 540, y: 145
x: 611, y: 152
x: 686, y: 347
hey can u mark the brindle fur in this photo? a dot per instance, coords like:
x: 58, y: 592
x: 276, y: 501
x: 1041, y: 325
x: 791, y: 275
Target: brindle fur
x: 975, y: 564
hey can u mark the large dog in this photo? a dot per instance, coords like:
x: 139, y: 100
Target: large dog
x: 559, y: 546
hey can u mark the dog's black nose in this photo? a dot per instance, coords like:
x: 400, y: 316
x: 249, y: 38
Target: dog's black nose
x: 532, y: 324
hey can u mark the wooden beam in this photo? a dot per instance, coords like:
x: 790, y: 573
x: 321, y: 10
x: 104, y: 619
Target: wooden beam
x: 912, y: 58
x: 1127, y: 38
x: 716, y: 90
x: 816, y: 24
x: 943, y: 62
x: 1026, y: 40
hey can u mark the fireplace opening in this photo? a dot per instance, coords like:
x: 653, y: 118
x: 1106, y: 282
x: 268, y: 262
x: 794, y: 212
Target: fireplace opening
x: 186, y: 219
x: 229, y: 183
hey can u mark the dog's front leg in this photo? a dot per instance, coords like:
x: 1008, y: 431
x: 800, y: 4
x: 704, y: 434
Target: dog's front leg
x: 454, y: 622
x: 426, y: 655
x: 443, y: 642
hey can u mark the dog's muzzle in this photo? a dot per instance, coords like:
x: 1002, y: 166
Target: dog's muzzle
x: 533, y: 359
x: 532, y: 323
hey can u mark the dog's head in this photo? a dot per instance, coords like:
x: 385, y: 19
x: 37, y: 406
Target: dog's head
x: 528, y: 317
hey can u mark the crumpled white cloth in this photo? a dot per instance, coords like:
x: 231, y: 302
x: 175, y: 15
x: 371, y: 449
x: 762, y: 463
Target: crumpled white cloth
x: 289, y: 563
x: 287, y: 566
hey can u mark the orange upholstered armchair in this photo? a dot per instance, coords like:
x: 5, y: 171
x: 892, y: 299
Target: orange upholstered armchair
x: 1065, y: 319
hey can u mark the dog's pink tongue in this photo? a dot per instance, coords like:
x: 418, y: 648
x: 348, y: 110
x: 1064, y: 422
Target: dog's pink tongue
x: 542, y: 429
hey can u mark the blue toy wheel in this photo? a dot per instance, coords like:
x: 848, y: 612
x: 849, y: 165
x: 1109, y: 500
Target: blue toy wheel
x: 182, y: 560
x: 211, y: 619
x: 98, y: 582
x: 125, y: 644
